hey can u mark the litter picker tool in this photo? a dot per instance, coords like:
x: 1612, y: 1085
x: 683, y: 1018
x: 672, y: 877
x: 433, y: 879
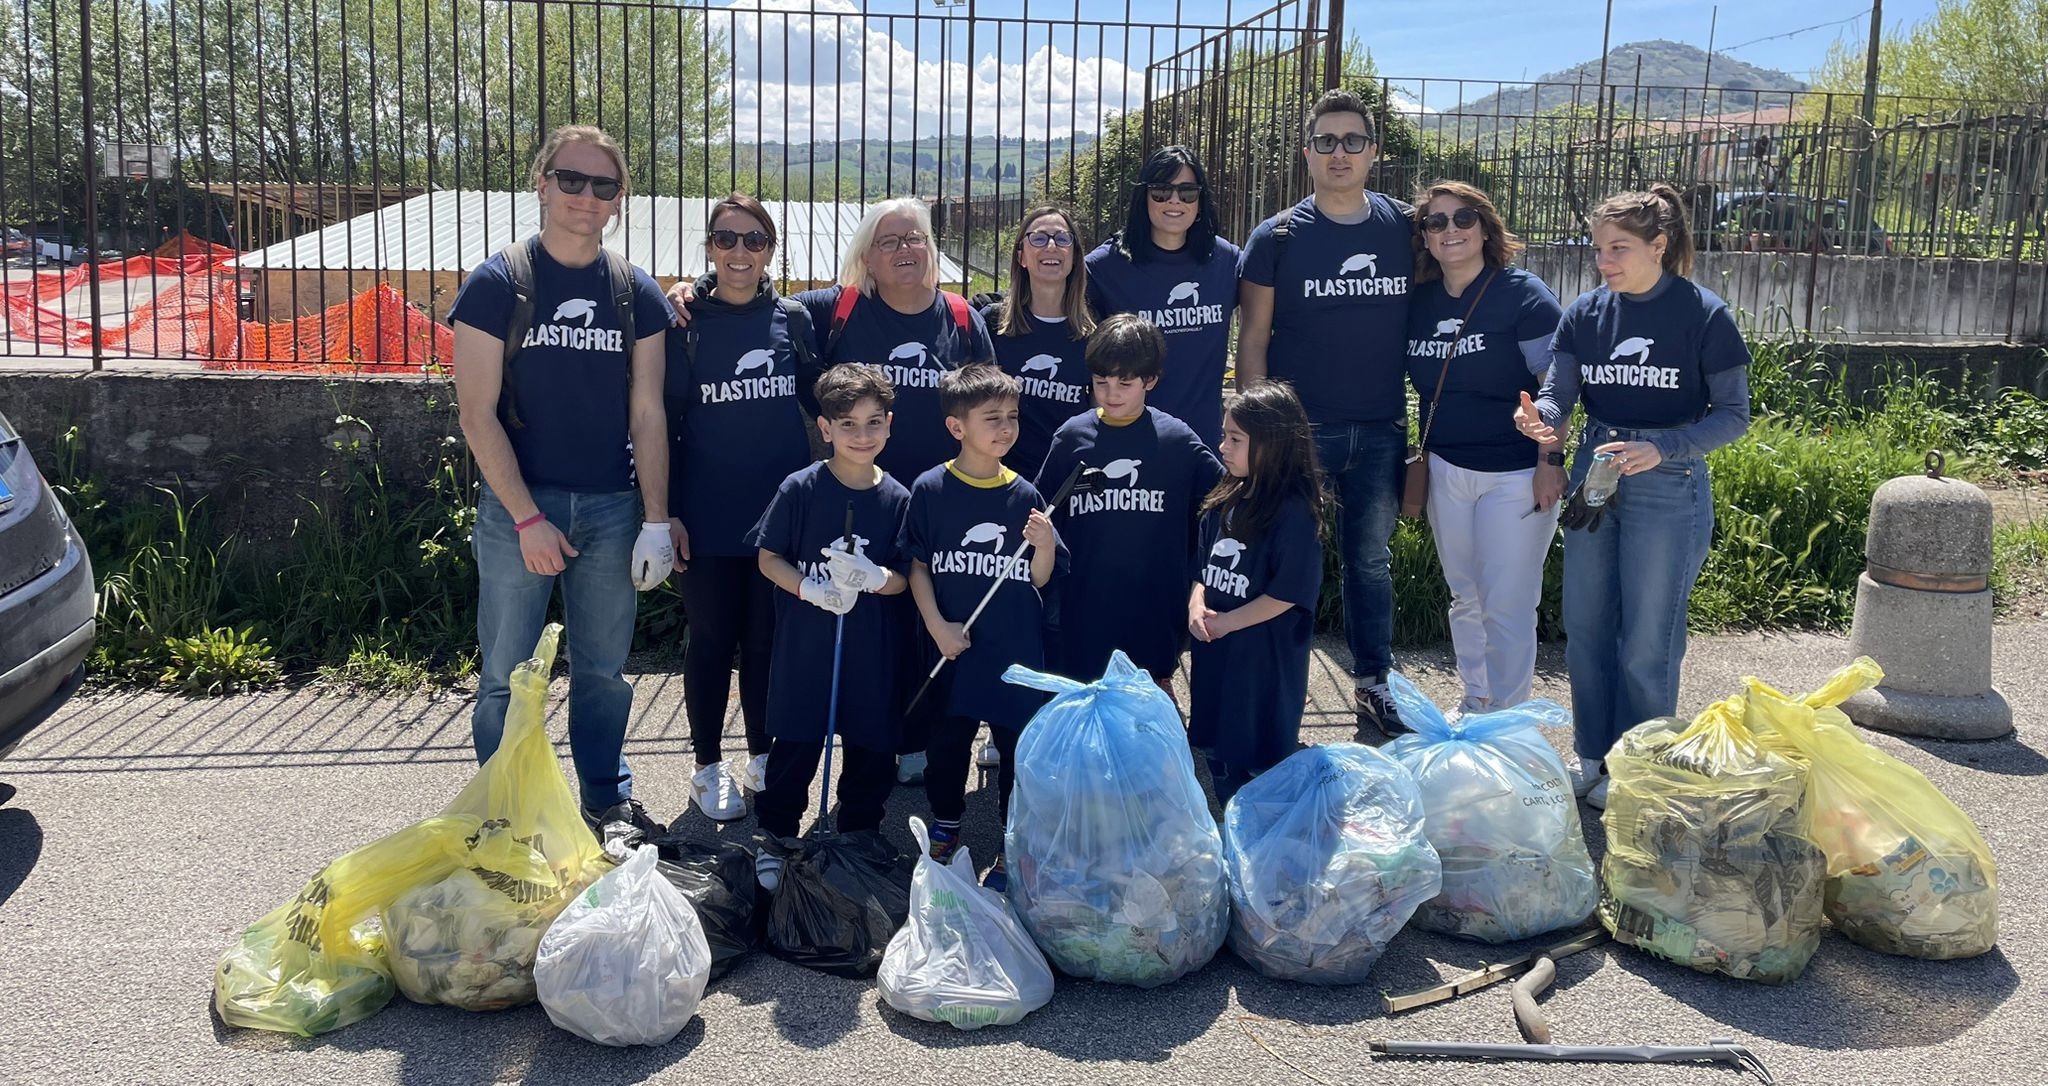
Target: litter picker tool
x: 1716, y: 1050
x: 1492, y: 974
x: 832, y: 706
x: 1059, y: 498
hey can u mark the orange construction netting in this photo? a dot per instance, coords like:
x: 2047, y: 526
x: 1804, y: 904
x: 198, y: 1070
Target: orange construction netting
x: 374, y: 330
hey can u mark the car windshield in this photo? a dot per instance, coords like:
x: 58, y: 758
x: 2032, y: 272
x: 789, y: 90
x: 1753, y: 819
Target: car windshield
x: 8, y: 434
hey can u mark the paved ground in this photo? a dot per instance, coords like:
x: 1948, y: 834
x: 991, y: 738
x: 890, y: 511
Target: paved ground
x: 148, y: 830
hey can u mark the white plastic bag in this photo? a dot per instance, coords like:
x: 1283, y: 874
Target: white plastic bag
x: 962, y: 957
x: 626, y: 962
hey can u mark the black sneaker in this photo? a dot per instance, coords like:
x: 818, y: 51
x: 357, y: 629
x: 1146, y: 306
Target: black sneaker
x: 618, y: 823
x: 1375, y: 705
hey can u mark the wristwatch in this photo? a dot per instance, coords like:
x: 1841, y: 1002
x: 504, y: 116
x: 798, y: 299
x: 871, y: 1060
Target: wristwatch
x: 1554, y: 459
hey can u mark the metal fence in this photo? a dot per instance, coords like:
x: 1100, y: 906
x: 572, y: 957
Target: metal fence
x: 285, y: 182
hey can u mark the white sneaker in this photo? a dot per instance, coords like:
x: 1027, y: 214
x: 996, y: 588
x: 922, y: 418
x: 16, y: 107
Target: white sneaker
x: 989, y: 756
x: 1585, y: 775
x: 768, y: 871
x: 756, y: 779
x: 910, y: 768
x: 1597, y: 798
x: 713, y: 791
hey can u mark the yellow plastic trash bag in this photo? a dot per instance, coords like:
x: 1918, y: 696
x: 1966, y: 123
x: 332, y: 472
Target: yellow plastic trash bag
x: 317, y: 962
x: 468, y: 937
x: 1709, y: 862
x: 1908, y: 872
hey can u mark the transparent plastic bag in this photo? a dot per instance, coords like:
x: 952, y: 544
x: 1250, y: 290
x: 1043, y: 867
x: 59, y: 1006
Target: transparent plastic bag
x: 1327, y: 862
x: 1908, y: 872
x: 962, y: 957
x: 1502, y: 816
x: 1115, y: 863
x: 1709, y: 860
x: 626, y: 963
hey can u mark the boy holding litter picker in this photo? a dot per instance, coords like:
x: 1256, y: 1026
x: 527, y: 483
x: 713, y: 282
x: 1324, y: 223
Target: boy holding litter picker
x: 970, y: 523
x: 825, y: 573
x: 1130, y: 522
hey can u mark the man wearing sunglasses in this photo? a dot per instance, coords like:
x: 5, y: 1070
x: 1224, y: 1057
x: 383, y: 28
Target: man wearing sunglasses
x: 1324, y: 306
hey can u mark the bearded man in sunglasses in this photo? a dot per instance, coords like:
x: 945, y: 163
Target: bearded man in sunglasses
x: 558, y: 375
x: 1323, y: 301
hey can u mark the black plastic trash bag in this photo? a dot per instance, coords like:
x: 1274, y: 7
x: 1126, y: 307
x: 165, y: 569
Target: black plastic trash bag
x: 718, y: 878
x: 841, y: 899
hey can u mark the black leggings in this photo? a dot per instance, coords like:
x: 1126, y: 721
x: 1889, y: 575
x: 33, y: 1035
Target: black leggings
x: 731, y: 610
x: 951, y: 749
x: 866, y: 777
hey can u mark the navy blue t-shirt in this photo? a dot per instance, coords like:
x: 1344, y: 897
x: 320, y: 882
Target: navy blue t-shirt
x: 808, y: 514
x: 1130, y: 525
x: 1340, y: 308
x: 734, y: 425
x: 1191, y: 303
x: 1643, y: 363
x: 1474, y: 421
x: 1050, y: 366
x: 914, y: 351
x: 573, y: 375
x: 1247, y: 688
x: 966, y: 534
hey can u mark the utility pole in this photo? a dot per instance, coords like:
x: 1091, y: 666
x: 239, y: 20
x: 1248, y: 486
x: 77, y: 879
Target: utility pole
x: 1863, y: 197
x: 1606, y: 32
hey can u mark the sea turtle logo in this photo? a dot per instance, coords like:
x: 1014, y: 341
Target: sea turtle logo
x: 1635, y: 345
x: 577, y: 307
x: 1449, y: 326
x: 1190, y: 293
x: 904, y: 352
x: 1125, y: 469
x: 1366, y: 262
x: 760, y: 358
x: 1232, y: 549
x: 986, y: 532
x: 1042, y: 363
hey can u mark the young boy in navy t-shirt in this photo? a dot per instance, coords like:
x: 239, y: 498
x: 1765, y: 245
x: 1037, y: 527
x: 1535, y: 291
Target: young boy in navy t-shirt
x: 1130, y: 520
x: 965, y: 529
x: 826, y: 578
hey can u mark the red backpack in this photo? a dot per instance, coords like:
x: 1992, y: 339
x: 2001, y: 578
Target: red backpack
x: 843, y: 309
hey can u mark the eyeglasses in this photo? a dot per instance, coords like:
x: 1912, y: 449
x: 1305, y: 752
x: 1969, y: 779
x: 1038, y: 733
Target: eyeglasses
x: 889, y: 243
x: 1187, y: 192
x: 1039, y: 239
x: 572, y: 182
x: 1327, y: 143
x: 755, y: 240
x: 1437, y: 222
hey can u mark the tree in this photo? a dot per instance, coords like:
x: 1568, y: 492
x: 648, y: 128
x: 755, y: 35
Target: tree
x: 1988, y: 50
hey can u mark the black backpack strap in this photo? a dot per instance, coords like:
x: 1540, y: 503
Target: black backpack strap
x: 621, y: 274
x: 801, y: 340
x: 518, y: 258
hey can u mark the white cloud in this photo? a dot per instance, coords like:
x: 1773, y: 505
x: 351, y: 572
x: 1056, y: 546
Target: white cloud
x: 823, y: 70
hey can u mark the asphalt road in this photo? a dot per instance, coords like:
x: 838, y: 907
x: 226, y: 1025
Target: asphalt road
x: 146, y: 831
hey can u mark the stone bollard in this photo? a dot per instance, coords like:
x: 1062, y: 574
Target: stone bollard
x: 1923, y: 611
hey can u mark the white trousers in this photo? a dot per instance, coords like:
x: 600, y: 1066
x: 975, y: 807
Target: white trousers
x: 1493, y: 561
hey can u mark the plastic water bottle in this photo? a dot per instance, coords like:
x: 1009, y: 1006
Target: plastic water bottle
x: 1601, y: 479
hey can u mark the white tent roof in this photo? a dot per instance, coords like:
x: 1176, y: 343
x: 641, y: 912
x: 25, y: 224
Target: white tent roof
x: 456, y: 231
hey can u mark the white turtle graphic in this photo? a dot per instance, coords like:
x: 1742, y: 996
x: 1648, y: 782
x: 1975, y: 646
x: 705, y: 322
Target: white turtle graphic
x: 1125, y: 469
x: 1190, y: 293
x: 1449, y: 326
x: 1041, y: 363
x: 860, y: 544
x: 760, y: 358
x: 1366, y: 262
x: 1635, y: 345
x: 986, y: 532
x: 906, y: 351
x: 577, y: 307
x: 1227, y: 547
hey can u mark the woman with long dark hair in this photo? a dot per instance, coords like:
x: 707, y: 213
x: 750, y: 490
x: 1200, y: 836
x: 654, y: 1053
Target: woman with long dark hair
x: 1041, y: 331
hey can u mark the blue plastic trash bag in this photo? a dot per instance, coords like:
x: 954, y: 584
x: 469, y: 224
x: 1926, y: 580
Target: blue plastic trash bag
x: 1327, y: 861
x: 1502, y: 816
x: 1115, y: 864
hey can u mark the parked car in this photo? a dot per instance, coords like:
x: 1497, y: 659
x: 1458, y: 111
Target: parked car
x: 1786, y: 222
x: 46, y: 596
x: 15, y: 244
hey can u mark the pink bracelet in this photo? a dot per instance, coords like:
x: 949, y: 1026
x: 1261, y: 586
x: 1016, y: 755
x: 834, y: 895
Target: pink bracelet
x: 529, y: 522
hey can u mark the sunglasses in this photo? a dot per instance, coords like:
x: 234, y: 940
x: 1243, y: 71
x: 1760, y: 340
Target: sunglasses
x: 755, y: 240
x: 1437, y: 222
x: 1039, y: 239
x: 1327, y: 143
x: 1187, y: 192
x: 572, y: 182
x: 889, y: 243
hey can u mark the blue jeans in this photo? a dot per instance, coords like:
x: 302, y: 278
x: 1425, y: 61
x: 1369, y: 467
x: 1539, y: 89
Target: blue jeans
x: 600, y: 604
x: 1625, y: 593
x: 1362, y: 463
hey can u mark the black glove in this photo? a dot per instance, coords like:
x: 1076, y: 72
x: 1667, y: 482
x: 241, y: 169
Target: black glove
x: 1578, y: 516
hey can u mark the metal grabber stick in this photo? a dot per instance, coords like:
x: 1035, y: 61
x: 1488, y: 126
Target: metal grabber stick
x: 832, y: 706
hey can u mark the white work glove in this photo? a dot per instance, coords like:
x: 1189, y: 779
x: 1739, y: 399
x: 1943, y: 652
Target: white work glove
x: 827, y: 596
x: 654, y: 555
x: 855, y: 571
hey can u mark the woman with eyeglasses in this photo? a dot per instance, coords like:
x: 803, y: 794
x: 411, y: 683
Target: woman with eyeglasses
x: 1041, y: 331
x: 1478, y: 340
x: 737, y: 431
x: 1168, y: 266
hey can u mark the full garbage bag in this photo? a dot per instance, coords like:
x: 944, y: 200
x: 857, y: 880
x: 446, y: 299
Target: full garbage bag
x: 1709, y: 860
x: 1115, y: 864
x: 718, y: 878
x: 841, y: 898
x: 626, y: 962
x: 1908, y: 872
x: 468, y: 938
x: 1499, y: 809
x: 962, y: 957
x: 1327, y: 861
